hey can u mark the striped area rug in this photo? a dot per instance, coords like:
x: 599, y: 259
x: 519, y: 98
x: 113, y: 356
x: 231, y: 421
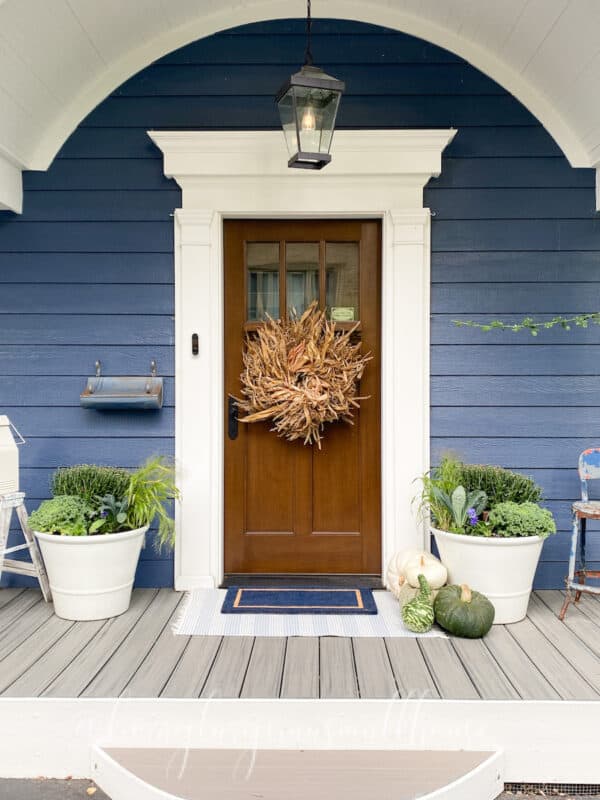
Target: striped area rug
x: 201, y: 616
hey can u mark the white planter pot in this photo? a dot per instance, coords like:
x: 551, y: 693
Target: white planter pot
x: 91, y: 577
x: 500, y: 568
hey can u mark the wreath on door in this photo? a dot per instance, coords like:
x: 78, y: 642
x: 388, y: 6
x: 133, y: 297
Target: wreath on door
x: 299, y: 374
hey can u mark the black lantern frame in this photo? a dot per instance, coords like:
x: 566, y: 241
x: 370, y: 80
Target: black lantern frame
x: 308, y: 103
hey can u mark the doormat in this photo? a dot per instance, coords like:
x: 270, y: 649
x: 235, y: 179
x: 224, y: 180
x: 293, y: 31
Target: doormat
x: 201, y: 616
x: 299, y: 601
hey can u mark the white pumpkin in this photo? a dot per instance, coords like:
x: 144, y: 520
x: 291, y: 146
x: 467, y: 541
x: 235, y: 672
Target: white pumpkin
x: 395, y: 569
x: 428, y: 565
x: 405, y: 560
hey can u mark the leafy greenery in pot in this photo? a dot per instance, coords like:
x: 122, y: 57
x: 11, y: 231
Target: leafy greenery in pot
x: 455, y: 496
x: 500, y: 485
x: 136, y: 499
x: 91, y: 482
x: 458, y: 510
x: 150, y: 488
x: 112, y: 515
x: 521, y: 519
x: 66, y: 514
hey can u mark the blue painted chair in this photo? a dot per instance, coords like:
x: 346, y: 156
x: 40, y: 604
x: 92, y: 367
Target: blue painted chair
x: 584, y: 509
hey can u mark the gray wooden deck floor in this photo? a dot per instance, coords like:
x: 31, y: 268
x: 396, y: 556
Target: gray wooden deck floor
x: 136, y: 655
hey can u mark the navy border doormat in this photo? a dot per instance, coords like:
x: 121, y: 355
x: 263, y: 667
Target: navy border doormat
x: 298, y: 601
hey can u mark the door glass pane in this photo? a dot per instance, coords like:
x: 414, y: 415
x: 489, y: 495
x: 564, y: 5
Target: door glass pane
x: 302, y: 275
x: 263, y: 280
x: 341, y: 281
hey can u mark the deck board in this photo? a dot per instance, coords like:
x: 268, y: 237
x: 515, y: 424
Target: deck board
x: 448, y: 671
x: 301, y: 668
x: 117, y: 672
x: 226, y: 678
x: 485, y: 672
x: 157, y: 667
x: 265, y: 668
x: 551, y: 662
x: 522, y: 672
x: 373, y: 669
x: 413, y: 678
x: 75, y: 678
x: 55, y: 660
x: 336, y: 667
x: 28, y: 652
x: 137, y: 655
x: 191, y: 672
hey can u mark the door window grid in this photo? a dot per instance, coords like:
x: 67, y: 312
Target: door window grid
x: 293, y: 274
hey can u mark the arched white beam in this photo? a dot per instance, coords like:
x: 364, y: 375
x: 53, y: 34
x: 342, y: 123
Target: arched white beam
x: 212, y: 18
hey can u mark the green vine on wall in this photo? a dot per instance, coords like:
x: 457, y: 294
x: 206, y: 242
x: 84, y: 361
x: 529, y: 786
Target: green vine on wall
x: 533, y: 326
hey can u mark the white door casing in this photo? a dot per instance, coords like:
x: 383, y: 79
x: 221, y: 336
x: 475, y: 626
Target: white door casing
x: 376, y: 174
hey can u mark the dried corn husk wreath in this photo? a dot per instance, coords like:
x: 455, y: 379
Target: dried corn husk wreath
x: 299, y: 373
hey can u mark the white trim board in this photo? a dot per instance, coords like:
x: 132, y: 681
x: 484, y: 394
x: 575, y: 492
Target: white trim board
x: 376, y: 174
x: 55, y: 737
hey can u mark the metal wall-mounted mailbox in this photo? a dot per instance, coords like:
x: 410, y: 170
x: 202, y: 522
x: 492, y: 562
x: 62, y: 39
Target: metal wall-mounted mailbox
x: 123, y: 392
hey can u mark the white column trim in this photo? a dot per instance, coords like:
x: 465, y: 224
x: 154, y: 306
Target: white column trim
x: 376, y: 174
x: 11, y: 185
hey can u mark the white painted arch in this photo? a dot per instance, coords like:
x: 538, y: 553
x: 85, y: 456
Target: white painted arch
x: 378, y: 174
x: 60, y: 58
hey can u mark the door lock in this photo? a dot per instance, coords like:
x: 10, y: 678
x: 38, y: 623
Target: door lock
x: 232, y: 418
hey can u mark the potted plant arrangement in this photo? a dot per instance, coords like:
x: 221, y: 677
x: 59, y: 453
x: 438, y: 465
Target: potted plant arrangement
x: 92, y: 530
x: 489, y: 529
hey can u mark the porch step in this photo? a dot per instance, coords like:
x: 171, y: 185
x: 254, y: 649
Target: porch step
x: 191, y: 774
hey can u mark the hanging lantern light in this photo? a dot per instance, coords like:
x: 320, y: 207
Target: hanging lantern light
x: 308, y: 105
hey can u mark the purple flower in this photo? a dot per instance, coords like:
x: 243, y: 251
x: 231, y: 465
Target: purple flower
x: 472, y: 516
x: 104, y: 513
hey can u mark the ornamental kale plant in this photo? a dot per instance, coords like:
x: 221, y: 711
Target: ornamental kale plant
x: 521, y: 519
x: 66, y: 515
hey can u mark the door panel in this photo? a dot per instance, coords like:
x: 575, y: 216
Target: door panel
x: 291, y: 508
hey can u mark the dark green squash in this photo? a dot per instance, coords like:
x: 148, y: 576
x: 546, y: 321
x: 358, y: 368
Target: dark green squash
x: 463, y: 612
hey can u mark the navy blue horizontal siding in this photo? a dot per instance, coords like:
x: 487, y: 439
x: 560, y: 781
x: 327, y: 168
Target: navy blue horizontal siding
x: 70, y: 268
x: 87, y: 329
x: 202, y: 80
x: 243, y: 111
x: 86, y: 272
x: 517, y: 266
x: 78, y: 360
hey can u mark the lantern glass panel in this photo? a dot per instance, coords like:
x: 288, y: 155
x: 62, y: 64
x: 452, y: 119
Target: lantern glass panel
x: 288, y: 121
x: 315, y: 111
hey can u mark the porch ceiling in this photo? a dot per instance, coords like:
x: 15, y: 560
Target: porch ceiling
x: 60, y: 58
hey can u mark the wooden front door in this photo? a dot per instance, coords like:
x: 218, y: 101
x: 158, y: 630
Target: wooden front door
x: 292, y: 508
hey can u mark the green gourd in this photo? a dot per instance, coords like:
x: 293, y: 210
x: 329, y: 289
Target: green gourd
x: 405, y: 591
x: 417, y: 614
x: 463, y: 612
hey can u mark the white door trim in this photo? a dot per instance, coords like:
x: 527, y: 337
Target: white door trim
x: 378, y: 174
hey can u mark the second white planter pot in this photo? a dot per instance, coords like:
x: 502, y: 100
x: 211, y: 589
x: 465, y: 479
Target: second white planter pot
x: 500, y: 568
x: 91, y: 577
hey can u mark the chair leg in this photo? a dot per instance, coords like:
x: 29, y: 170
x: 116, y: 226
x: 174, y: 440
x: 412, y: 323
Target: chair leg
x: 34, y: 553
x: 581, y: 572
x: 572, y: 564
x: 568, y: 601
x: 5, y: 516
